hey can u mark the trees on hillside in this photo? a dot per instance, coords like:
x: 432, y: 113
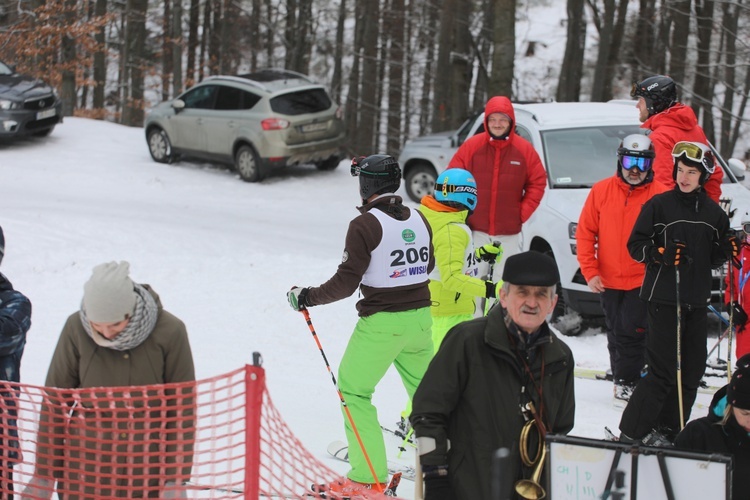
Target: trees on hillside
x: 401, y: 67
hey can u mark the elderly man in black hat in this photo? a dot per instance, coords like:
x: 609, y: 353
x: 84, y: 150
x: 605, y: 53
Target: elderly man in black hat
x: 489, y: 378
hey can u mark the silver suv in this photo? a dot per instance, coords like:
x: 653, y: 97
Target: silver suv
x: 577, y: 143
x: 255, y: 122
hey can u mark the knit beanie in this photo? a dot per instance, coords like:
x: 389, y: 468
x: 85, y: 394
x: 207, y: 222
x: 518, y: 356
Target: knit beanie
x: 738, y: 391
x: 109, y: 295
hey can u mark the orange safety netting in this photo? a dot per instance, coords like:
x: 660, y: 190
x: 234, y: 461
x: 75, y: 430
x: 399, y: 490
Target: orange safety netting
x: 215, y: 438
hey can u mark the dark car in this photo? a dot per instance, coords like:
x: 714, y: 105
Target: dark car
x: 28, y: 106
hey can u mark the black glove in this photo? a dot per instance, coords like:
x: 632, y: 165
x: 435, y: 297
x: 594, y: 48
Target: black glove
x: 674, y: 254
x: 739, y: 316
x: 730, y: 245
x: 437, y: 486
x: 297, y: 298
x: 492, y: 290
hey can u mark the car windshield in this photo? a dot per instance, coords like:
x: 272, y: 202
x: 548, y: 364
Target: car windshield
x: 301, y: 102
x: 579, y: 157
x: 5, y: 70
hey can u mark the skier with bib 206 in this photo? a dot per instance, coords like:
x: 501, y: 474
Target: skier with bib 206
x: 388, y: 256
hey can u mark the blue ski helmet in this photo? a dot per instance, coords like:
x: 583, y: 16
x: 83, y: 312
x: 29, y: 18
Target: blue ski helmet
x: 457, y: 185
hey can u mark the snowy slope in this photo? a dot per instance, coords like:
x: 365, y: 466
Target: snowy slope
x: 220, y: 252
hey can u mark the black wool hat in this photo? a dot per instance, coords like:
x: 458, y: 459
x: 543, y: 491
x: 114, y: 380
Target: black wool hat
x: 531, y: 268
x: 738, y: 390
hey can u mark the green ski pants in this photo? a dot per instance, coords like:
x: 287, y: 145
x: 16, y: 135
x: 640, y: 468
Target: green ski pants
x: 402, y: 339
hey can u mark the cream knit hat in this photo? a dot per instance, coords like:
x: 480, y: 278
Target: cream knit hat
x: 109, y: 295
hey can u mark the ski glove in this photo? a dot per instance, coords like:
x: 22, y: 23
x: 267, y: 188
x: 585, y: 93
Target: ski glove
x: 38, y: 488
x: 674, y: 254
x: 492, y: 289
x: 489, y: 252
x: 739, y: 316
x: 298, y: 298
x: 437, y: 486
x: 730, y: 245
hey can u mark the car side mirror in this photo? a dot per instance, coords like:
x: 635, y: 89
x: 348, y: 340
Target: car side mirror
x: 738, y: 168
x: 178, y: 105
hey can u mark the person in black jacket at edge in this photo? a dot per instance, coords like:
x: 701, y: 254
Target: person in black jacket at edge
x: 489, y: 378
x: 683, y: 232
x: 726, y: 428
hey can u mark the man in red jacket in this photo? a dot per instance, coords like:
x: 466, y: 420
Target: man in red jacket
x: 670, y: 122
x: 605, y: 224
x: 510, y: 181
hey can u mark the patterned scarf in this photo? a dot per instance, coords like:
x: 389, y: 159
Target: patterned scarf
x: 139, y: 327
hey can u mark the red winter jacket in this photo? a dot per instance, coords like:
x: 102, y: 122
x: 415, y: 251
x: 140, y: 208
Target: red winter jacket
x: 605, y: 224
x: 509, y: 174
x: 669, y: 127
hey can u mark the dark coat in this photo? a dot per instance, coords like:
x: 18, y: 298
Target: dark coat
x: 692, y: 218
x: 72, y: 424
x: 471, y: 396
x: 706, y: 434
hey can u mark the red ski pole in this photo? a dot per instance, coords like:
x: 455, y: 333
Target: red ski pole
x: 343, y: 402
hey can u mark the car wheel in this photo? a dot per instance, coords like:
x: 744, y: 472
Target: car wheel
x: 420, y: 181
x: 44, y: 133
x: 562, y: 312
x: 329, y: 164
x: 159, y: 146
x: 247, y: 164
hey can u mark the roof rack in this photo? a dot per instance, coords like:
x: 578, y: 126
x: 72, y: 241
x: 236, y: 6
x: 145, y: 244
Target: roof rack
x: 274, y: 74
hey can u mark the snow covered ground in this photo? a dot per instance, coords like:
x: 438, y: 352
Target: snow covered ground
x: 221, y: 253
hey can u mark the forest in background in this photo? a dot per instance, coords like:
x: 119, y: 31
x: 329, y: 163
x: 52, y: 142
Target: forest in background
x: 399, y: 68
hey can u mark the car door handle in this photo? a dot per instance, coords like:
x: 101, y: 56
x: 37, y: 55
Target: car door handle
x: 230, y: 123
x: 199, y: 121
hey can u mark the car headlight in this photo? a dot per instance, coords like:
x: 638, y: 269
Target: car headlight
x: 7, y: 104
x: 572, y: 230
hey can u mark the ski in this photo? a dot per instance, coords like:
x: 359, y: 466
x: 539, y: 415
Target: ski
x: 340, y: 451
x: 594, y: 374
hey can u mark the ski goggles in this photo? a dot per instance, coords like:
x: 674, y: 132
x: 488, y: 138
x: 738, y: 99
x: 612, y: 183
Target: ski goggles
x: 696, y: 153
x: 746, y: 227
x: 640, y: 162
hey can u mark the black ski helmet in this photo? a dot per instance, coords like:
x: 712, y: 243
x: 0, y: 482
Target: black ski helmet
x: 696, y: 155
x: 659, y: 92
x: 636, y: 151
x: 377, y: 174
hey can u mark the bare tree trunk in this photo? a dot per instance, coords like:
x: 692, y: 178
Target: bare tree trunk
x: 166, y: 50
x: 661, y: 47
x: 441, y: 119
x: 205, y: 37
x: 192, y: 46
x: 680, y: 32
x: 215, y: 40
x: 703, y: 89
x: 176, y: 47
x: 68, y: 62
x: 100, y: 58
x: 461, y: 65
x: 569, y: 84
x: 353, y: 97
x: 255, y: 37
x: 483, y: 50
x: 366, y: 133
x: 394, y: 30
x: 605, y: 24
x: 290, y: 32
x: 428, y: 35
x: 504, y: 47
x: 337, y: 79
x: 729, y: 23
x: 135, y: 38
x: 641, y: 56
